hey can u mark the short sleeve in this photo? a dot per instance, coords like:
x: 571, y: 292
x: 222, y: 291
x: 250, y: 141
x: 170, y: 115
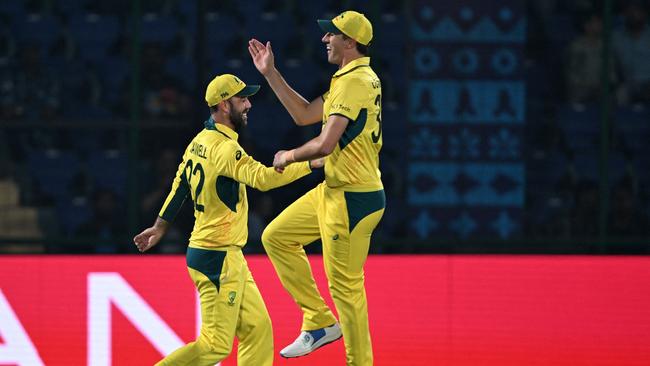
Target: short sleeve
x: 347, y: 97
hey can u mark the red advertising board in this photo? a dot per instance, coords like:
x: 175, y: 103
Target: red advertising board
x: 424, y: 310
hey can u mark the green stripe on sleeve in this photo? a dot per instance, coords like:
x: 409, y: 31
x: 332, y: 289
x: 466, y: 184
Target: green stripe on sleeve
x: 353, y: 129
x: 177, y: 201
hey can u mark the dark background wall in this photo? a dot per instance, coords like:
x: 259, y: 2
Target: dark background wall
x: 509, y: 126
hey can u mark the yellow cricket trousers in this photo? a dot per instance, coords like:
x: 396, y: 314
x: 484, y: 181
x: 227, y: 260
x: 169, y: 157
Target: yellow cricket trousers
x: 344, y: 221
x: 231, y: 305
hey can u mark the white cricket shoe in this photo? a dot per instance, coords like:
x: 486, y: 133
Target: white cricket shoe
x: 309, y: 341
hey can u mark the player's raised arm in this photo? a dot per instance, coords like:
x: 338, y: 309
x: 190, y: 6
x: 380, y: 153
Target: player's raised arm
x: 302, y: 111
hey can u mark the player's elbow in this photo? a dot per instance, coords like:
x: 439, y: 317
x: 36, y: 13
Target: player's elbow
x: 300, y: 120
x: 326, y: 148
x: 304, y: 118
x: 263, y: 188
x: 260, y: 183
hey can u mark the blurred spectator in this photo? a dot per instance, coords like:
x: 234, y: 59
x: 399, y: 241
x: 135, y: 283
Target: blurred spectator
x: 31, y: 91
x: 107, y: 224
x: 163, y: 96
x: 165, y: 170
x: 632, y: 50
x: 29, y: 88
x: 584, y: 62
x: 157, y: 189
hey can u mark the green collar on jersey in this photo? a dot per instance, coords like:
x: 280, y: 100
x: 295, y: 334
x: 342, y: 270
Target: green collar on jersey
x: 209, y: 124
x: 354, y: 64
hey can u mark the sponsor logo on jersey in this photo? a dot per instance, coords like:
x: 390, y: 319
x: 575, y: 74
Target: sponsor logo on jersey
x: 341, y: 107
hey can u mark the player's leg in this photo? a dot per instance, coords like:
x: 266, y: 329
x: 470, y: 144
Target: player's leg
x: 254, y: 331
x: 283, y: 240
x: 346, y: 240
x: 218, y: 277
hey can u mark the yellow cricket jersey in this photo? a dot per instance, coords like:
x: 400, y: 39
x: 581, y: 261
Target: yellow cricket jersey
x: 355, y: 93
x: 215, y: 172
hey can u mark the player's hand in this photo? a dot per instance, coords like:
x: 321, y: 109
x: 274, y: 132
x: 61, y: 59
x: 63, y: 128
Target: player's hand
x: 317, y: 163
x: 280, y: 161
x: 262, y: 56
x: 148, y: 238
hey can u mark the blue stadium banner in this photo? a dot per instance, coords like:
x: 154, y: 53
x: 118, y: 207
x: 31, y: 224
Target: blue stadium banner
x: 466, y: 113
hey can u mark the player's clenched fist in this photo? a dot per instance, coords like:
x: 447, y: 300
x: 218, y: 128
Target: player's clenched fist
x: 282, y: 159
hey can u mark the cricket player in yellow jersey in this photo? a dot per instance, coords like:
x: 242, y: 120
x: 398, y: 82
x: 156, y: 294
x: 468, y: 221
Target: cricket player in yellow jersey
x: 214, y: 172
x: 342, y: 211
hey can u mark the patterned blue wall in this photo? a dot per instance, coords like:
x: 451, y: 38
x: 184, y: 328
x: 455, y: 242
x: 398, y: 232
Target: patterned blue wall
x: 466, y: 117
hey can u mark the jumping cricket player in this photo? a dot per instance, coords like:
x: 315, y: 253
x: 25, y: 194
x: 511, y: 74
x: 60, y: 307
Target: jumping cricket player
x: 342, y: 211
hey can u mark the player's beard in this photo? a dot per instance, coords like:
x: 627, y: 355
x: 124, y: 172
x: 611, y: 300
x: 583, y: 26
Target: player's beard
x: 237, y: 118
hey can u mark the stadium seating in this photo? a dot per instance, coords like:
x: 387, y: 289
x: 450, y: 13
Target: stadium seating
x: 270, y: 120
x: 20, y: 222
x: 587, y: 166
x: 158, y: 29
x: 633, y: 126
x: 114, y: 72
x: 94, y: 34
x: 72, y: 214
x: 183, y: 69
x: 72, y: 8
x: 40, y: 29
x: 295, y: 73
x: 547, y: 169
x: 561, y: 30
x: 580, y: 125
x: 53, y: 171
x: 12, y: 9
x: 220, y: 28
x: 108, y: 170
x: 86, y: 50
x: 274, y: 27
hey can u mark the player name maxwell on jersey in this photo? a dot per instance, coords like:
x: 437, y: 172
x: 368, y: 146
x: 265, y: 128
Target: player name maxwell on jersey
x: 198, y: 150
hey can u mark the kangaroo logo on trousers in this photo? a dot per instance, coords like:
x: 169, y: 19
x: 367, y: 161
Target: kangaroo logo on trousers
x: 231, y: 298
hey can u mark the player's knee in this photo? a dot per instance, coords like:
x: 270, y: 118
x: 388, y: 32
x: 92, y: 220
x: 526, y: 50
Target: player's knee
x: 211, y: 346
x: 261, y: 325
x: 346, y: 287
x: 264, y: 328
x: 269, y: 236
x: 257, y: 333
